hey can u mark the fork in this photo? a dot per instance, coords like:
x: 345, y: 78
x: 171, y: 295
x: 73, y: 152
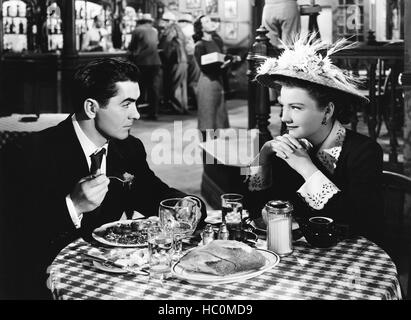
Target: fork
x: 117, y: 178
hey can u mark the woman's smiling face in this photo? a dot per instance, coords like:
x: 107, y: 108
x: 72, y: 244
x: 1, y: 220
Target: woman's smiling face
x: 301, y: 113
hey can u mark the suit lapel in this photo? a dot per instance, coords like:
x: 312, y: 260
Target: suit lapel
x: 116, y: 162
x: 71, y: 159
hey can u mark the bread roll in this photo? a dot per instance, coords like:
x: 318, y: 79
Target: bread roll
x: 222, y: 257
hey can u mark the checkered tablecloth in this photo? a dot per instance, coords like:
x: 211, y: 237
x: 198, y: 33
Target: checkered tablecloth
x: 353, y: 269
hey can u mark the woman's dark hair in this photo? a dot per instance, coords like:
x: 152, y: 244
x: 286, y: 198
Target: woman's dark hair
x: 97, y: 80
x: 198, y: 29
x: 343, y: 102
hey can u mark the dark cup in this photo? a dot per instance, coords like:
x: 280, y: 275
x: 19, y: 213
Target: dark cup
x: 320, y: 232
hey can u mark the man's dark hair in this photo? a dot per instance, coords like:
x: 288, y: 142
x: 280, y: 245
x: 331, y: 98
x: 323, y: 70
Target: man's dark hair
x: 97, y: 80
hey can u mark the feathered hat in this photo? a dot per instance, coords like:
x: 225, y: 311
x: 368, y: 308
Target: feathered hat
x: 308, y: 59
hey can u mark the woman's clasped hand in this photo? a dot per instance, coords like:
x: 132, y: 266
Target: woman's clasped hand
x: 291, y: 150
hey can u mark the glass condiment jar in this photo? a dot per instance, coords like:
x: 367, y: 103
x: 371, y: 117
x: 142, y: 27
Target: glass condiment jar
x: 208, y: 234
x: 279, y: 227
x: 223, y: 233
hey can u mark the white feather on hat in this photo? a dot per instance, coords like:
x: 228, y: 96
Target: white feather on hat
x: 304, y: 59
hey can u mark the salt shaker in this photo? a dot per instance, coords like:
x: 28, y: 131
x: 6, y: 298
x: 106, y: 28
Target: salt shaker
x: 279, y: 227
x: 223, y: 233
x: 208, y: 234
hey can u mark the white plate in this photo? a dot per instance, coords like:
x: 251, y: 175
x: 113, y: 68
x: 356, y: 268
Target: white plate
x: 214, y: 216
x: 104, y: 227
x: 272, y: 259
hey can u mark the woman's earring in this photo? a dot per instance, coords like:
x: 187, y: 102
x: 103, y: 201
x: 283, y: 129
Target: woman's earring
x: 324, y: 122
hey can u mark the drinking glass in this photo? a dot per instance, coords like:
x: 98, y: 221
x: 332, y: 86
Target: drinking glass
x: 232, y: 213
x: 181, y: 216
x: 160, y: 249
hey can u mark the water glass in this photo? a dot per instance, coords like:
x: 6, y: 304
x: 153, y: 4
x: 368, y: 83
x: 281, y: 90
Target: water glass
x: 179, y: 214
x: 232, y: 213
x: 160, y: 249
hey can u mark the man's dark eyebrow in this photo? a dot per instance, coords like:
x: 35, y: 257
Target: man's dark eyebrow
x: 292, y: 103
x: 128, y: 100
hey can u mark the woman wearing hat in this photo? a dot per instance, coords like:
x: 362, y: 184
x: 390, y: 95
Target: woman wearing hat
x: 323, y: 168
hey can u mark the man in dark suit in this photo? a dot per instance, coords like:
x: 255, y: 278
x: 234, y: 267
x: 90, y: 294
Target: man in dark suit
x: 64, y: 191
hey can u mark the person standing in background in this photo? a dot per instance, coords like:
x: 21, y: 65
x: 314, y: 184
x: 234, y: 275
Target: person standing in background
x: 97, y: 38
x: 173, y: 8
x: 144, y: 53
x: 212, y: 111
x: 174, y: 58
x: 282, y: 20
x: 193, y: 70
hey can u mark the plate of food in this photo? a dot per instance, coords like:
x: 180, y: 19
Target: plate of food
x: 120, y: 260
x: 125, y: 233
x: 223, y: 261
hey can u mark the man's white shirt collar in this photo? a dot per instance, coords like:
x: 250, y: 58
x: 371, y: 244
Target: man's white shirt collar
x: 87, y: 145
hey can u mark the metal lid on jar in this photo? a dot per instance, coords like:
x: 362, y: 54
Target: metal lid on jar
x: 279, y: 207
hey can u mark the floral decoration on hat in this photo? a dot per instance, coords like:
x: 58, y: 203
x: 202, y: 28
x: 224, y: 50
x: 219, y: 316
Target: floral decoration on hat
x: 308, y: 59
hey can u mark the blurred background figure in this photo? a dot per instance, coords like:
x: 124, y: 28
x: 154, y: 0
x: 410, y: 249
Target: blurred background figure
x: 193, y: 70
x: 174, y: 61
x: 173, y: 8
x: 282, y: 20
x: 144, y: 52
x: 212, y: 111
x: 97, y: 38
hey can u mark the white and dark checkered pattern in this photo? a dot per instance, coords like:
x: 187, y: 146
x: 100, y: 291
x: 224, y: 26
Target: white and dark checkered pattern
x: 353, y: 269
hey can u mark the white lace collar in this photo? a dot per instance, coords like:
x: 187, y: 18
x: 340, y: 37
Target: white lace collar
x: 330, y: 149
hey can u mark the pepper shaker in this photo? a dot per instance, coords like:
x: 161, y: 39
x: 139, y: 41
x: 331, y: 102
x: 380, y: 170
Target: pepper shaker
x: 208, y: 234
x: 223, y: 233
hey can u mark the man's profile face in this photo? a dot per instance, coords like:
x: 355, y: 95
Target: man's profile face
x: 115, y: 119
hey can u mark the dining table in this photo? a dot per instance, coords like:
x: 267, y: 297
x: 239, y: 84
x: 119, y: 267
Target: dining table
x: 353, y: 269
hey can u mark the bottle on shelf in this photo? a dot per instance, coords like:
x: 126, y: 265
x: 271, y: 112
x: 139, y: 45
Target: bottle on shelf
x: 18, y: 11
x: 8, y: 11
x: 6, y: 27
x: 12, y: 28
x: 21, y: 12
x: 21, y: 27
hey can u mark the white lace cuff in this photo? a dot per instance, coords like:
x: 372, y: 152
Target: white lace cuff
x: 317, y: 190
x: 258, y: 177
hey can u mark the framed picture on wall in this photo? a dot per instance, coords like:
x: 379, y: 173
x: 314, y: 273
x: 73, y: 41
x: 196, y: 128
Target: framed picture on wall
x: 230, y: 9
x: 193, y: 4
x: 231, y: 30
x: 211, y: 6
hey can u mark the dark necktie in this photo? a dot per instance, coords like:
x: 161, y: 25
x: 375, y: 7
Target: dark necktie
x: 96, y: 160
